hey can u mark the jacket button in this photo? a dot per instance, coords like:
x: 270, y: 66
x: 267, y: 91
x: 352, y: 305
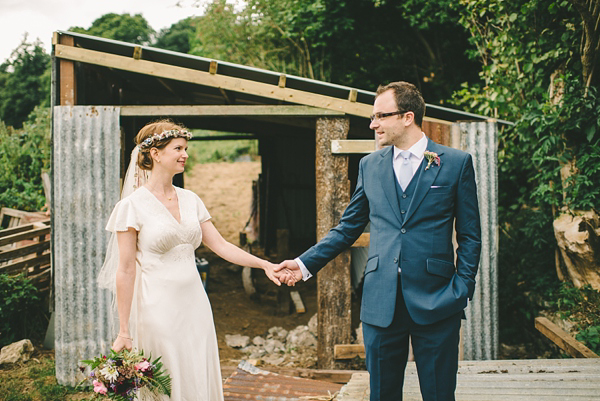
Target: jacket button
x: 403, y: 230
x: 403, y: 196
x: 395, y: 260
x: 403, y: 211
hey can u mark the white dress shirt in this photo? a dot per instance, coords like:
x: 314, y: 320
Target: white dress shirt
x: 417, y: 152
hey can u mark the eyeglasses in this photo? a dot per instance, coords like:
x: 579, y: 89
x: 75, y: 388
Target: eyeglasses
x: 379, y: 116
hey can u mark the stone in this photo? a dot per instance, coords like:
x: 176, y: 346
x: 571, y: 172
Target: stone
x: 359, y: 334
x: 301, y: 337
x: 236, y: 340
x: 258, y: 340
x: 313, y: 324
x: 277, y: 333
x: 273, y: 345
x: 19, y: 351
x: 578, y: 240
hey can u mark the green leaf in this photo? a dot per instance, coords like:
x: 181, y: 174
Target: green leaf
x: 590, y: 132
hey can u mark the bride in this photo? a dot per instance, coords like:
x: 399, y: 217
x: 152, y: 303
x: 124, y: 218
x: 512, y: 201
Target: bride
x: 161, y: 303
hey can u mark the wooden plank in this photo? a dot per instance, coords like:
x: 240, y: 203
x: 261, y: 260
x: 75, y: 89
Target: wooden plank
x: 205, y: 78
x: 24, y: 235
x: 334, y: 291
x: 352, y: 146
x: 282, y: 80
x: 67, y: 79
x: 35, y: 260
x: 561, y: 338
x: 25, y: 250
x: 7, y: 211
x: 226, y: 111
x: 297, y: 300
x: 362, y: 241
x: 17, y: 229
x: 349, y: 351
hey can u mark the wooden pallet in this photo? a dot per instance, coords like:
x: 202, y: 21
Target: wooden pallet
x: 511, y: 380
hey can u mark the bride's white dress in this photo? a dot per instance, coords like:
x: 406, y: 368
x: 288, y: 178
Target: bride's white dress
x: 172, y: 314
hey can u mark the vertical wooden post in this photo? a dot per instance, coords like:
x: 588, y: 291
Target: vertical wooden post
x: 333, y: 282
x: 68, y: 87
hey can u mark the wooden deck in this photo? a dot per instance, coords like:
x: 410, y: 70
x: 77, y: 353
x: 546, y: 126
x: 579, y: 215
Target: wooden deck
x: 511, y: 380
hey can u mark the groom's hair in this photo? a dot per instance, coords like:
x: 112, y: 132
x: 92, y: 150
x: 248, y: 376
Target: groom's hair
x: 408, y: 98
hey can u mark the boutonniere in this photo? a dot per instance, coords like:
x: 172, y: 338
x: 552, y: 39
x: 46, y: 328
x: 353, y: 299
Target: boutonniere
x: 432, y: 157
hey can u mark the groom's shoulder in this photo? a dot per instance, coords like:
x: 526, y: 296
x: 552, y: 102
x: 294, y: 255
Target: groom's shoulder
x: 376, y: 155
x: 451, y: 154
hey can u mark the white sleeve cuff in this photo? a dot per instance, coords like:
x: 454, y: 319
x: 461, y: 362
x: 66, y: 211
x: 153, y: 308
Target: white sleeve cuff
x: 305, y: 273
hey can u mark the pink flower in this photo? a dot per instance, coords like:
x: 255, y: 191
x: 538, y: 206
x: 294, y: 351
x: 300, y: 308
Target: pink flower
x: 143, y: 366
x: 99, y: 387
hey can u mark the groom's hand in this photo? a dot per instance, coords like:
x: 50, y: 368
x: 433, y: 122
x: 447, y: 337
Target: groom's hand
x: 289, y: 272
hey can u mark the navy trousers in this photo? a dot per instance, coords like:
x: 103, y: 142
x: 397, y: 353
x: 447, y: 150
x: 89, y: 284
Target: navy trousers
x: 435, y: 348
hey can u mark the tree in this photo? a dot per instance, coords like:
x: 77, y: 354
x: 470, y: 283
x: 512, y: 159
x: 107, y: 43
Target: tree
x: 538, y: 63
x: 124, y: 27
x: 360, y: 44
x: 177, y: 36
x: 24, y: 82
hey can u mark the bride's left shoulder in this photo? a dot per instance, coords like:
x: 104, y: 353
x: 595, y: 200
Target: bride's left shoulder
x: 187, y: 192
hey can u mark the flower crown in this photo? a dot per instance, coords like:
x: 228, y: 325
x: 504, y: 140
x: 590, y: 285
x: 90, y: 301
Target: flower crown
x: 173, y: 133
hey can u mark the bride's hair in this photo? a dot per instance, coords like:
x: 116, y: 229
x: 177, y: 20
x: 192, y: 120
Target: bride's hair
x: 145, y: 161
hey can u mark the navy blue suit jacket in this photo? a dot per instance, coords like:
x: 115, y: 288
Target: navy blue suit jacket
x: 433, y: 284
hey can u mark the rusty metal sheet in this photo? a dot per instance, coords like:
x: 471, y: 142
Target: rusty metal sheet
x: 251, y: 383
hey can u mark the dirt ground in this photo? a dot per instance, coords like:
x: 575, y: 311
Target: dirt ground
x: 226, y: 190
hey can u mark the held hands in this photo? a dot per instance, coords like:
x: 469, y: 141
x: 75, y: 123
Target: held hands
x: 122, y: 342
x: 289, y: 272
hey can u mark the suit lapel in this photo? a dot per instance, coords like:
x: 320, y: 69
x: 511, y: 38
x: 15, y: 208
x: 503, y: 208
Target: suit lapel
x: 426, y: 178
x: 388, y: 180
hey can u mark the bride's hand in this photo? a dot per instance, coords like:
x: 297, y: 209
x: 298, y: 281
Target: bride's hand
x: 269, y: 267
x: 122, y: 342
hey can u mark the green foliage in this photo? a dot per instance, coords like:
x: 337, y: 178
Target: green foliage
x: 24, y: 154
x: 124, y: 27
x: 560, y: 133
x: 218, y: 151
x: 582, y: 306
x: 24, y: 82
x: 177, y: 36
x: 334, y: 41
x: 21, y: 314
x: 36, y: 382
x: 519, y: 44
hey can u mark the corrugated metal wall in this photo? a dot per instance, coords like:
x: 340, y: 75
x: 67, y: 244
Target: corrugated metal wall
x: 86, y: 164
x: 480, y: 331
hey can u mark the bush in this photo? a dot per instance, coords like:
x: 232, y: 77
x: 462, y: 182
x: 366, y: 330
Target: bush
x: 21, y: 310
x: 24, y: 155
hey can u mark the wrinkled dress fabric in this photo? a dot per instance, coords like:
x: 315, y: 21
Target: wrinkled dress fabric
x: 173, y: 317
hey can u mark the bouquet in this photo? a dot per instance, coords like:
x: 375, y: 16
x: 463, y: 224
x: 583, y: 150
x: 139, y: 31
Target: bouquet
x: 122, y: 374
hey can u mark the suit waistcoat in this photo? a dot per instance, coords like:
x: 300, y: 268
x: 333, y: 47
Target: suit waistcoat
x: 404, y: 199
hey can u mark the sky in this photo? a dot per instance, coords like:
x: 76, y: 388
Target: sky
x: 39, y: 18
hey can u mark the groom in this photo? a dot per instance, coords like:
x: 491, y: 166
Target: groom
x: 415, y: 193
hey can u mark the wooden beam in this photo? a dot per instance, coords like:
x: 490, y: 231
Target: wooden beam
x: 362, y: 241
x: 561, y: 338
x: 352, y: 146
x: 205, y: 78
x: 349, y: 351
x: 226, y: 111
x: 68, y: 82
x: 334, y: 291
x: 297, y: 300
